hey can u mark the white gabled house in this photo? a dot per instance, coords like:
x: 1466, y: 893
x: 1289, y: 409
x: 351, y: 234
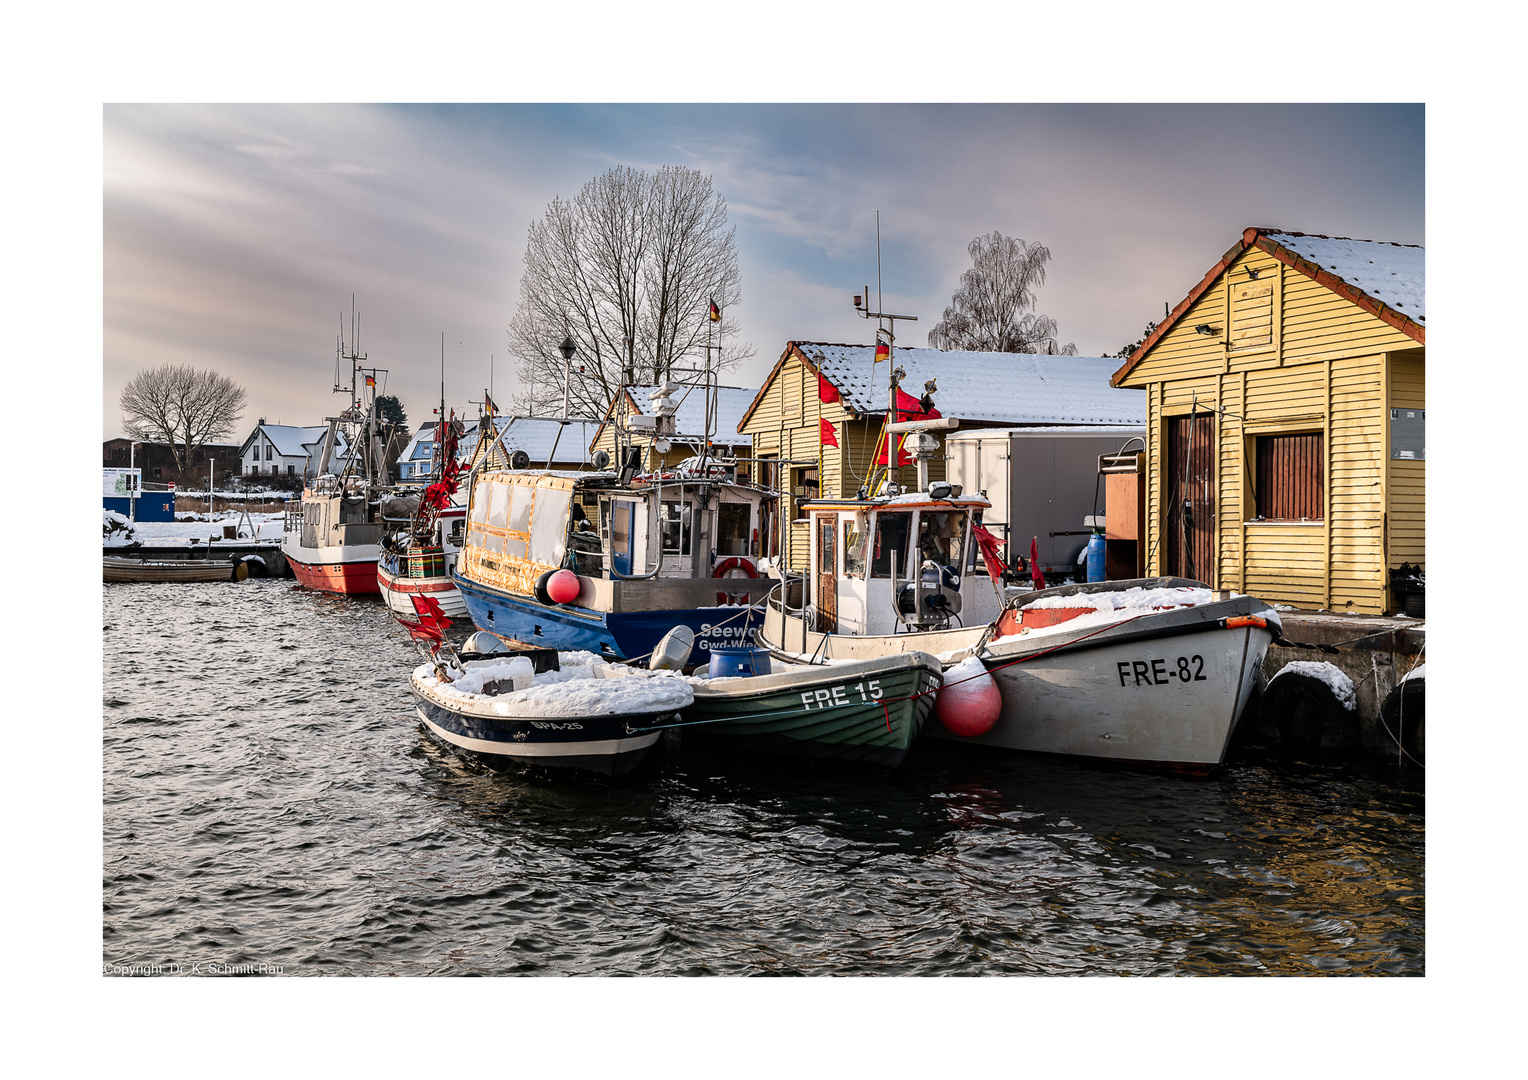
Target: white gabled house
x: 283, y: 450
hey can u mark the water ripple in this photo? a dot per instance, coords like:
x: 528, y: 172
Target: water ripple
x: 268, y: 798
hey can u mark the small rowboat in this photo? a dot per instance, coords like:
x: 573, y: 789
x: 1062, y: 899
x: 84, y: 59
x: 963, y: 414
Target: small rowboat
x: 120, y: 568
x: 583, y: 714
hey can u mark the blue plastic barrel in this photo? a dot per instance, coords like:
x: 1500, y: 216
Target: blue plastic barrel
x: 1096, y: 557
x: 738, y: 661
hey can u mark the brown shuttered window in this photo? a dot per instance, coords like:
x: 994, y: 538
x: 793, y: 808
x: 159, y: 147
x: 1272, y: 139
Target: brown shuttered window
x: 1290, y: 477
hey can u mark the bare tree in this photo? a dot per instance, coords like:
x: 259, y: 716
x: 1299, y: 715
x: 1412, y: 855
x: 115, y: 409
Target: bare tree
x: 628, y: 269
x: 180, y: 406
x: 990, y: 311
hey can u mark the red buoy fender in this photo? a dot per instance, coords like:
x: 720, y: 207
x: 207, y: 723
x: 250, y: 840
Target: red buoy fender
x: 726, y: 568
x: 969, y: 702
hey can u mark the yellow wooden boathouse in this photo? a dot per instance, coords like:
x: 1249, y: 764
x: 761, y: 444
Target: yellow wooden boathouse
x: 1286, y: 422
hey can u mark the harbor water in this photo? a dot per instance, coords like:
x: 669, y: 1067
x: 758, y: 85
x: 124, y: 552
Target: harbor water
x: 271, y: 806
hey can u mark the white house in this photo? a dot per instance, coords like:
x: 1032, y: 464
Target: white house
x: 537, y: 438
x: 282, y: 450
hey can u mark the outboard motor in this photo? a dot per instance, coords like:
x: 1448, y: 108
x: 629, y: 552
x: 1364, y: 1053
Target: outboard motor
x: 932, y: 600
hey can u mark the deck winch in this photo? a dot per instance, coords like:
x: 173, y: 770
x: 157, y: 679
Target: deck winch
x: 931, y: 599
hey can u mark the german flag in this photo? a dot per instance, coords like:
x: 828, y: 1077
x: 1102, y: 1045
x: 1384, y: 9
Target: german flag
x: 371, y: 381
x: 882, y: 351
x: 716, y: 312
x: 489, y: 406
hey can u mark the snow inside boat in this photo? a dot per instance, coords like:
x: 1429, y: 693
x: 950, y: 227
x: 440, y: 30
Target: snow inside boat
x: 583, y: 713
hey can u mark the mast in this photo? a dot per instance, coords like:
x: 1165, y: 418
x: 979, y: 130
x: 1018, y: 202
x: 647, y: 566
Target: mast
x: 885, y: 328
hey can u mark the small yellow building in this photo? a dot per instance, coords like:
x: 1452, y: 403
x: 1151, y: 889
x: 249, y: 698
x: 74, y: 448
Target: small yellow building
x: 1286, y: 422
x: 693, y: 429
x: 821, y: 393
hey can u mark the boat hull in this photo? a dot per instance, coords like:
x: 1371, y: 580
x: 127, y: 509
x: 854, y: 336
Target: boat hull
x: 608, y: 745
x: 349, y: 568
x: 1163, y: 690
x: 620, y: 635
x: 398, y: 591
x: 869, y: 711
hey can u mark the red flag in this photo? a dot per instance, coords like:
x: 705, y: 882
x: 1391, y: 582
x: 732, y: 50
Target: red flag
x: 421, y: 631
x: 988, y: 542
x: 910, y: 408
x: 1034, y: 562
x: 430, y: 612
x: 903, y: 457
x: 827, y: 393
x: 827, y: 433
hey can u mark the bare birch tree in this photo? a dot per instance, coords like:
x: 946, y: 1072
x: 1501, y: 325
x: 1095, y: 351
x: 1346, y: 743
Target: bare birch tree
x: 180, y: 406
x: 628, y: 269
x: 990, y: 311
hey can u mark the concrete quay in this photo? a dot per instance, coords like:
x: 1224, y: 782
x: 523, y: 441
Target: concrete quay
x: 1303, y: 713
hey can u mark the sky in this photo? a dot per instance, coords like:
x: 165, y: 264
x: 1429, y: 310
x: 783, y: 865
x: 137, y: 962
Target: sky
x: 236, y: 236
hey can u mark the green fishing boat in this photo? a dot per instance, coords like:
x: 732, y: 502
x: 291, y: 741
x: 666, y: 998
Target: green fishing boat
x: 857, y: 710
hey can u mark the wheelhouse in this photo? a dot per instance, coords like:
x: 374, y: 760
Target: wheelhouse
x: 884, y: 566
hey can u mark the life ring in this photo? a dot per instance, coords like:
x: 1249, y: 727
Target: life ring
x: 727, y: 568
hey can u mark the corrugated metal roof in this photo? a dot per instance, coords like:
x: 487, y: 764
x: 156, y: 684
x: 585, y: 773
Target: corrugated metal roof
x: 995, y: 388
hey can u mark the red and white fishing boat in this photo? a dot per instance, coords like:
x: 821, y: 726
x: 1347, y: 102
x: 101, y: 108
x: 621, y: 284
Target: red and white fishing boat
x: 419, y: 558
x: 332, y: 539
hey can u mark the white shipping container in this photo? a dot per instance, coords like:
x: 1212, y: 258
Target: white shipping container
x: 1042, y: 482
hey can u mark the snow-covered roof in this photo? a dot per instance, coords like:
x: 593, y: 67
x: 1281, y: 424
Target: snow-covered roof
x: 293, y: 441
x: 994, y: 388
x: 690, y: 419
x: 536, y: 437
x: 1393, y: 274
x: 1387, y: 280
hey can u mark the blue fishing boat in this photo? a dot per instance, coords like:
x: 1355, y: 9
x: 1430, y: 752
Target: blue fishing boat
x: 610, y: 561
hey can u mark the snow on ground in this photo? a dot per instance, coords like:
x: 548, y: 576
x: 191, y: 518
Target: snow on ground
x: 198, y: 528
x: 1330, y: 674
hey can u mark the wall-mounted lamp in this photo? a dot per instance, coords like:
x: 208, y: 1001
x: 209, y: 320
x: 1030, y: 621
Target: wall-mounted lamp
x: 1252, y: 272
x: 1206, y: 329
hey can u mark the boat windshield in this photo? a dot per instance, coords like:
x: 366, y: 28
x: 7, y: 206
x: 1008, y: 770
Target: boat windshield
x: 939, y: 536
x: 892, y: 530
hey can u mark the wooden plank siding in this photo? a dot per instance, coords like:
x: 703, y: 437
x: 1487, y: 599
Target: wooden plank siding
x: 1326, y: 367
x: 785, y: 422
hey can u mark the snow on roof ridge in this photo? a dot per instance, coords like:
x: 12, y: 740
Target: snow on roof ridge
x: 1350, y: 239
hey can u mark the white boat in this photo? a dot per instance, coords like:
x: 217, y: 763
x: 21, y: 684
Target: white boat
x: 582, y: 713
x: 332, y: 537
x: 427, y: 531
x: 1149, y: 671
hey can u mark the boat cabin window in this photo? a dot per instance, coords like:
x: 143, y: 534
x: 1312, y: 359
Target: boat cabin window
x: 517, y: 542
x: 549, y: 525
x: 891, y: 534
x: 854, y: 547
x: 732, y: 529
x: 674, y: 527
x: 939, y: 536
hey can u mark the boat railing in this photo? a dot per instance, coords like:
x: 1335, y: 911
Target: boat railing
x: 422, y: 564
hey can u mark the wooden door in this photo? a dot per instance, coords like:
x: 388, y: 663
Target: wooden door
x: 827, y: 573
x: 1189, y: 521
